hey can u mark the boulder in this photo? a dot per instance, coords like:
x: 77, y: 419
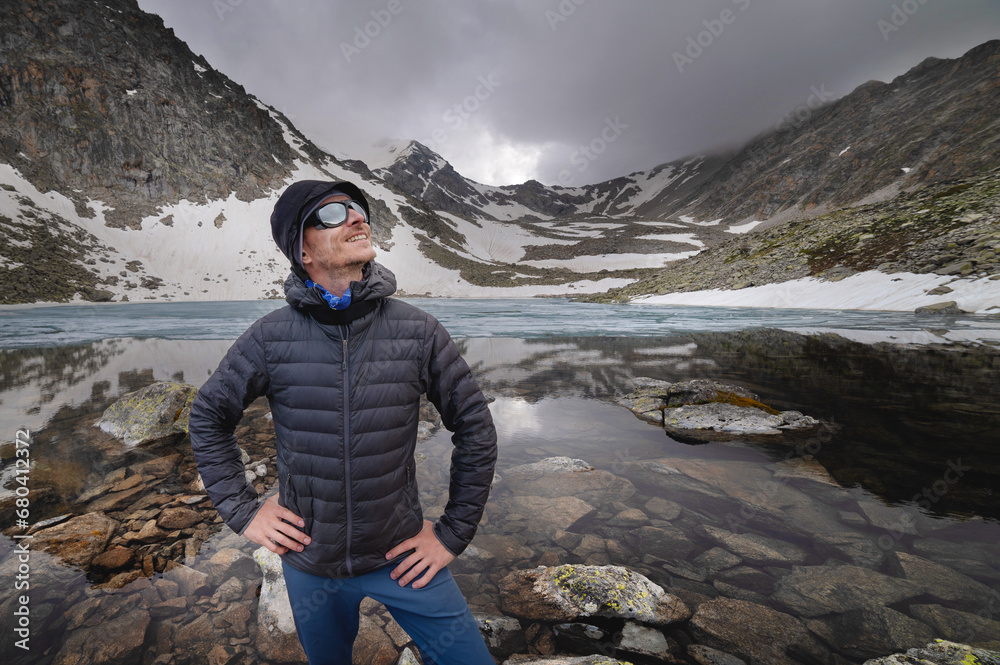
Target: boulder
x: 154, y: 414
x: 644, y: 641
x: 569, y: 592
x: 564, y: 660
x: 276, y: 636
x: 752, y: 632
x: 872, y: 631
x: 941, y: 652
x: 109, y: 642
x: 834, y: 589
x: 503, y: 635
x: 703, y: 410
x: 947, y: 308
x: 172, y: 519
x: 954, y: 624
x: 757, y: 549
x: 79, y: 540
x: 555, y: 477
x: 548, y: 514
x: 945, y: 584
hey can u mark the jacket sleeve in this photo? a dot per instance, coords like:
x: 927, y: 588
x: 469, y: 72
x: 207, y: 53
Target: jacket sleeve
x: 464, y: 411
x: 240, y: 379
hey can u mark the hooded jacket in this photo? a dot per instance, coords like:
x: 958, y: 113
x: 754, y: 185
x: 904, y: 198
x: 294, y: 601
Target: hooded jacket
x: 344, y: 388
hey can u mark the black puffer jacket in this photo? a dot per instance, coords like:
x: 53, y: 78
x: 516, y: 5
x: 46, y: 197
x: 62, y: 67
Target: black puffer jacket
x: 344, y: 388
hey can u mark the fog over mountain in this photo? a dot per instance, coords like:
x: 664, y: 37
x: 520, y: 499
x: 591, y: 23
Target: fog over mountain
x: 561, y: 69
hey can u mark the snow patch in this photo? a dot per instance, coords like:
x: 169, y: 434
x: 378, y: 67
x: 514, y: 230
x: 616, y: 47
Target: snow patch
x: 743, y: 228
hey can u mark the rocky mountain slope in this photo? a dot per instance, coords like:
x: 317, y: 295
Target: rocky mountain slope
x: 951, y: 229
x: 130, y: 169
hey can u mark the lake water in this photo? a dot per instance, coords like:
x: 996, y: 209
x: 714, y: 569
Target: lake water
x: 901, y: 486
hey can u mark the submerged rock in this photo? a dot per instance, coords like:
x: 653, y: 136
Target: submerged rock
x: 562, y: 476
x: 156, y: 413
x: 816, y: 590
x: 569, y: 592
x: 941, y: 652
x: 79, y: 540
x: 754, y: 633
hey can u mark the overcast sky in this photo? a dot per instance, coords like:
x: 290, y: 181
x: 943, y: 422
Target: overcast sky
x: 508, y: 90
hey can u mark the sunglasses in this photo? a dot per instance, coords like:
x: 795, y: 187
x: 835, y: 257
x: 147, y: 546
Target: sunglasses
x: 334, y: 214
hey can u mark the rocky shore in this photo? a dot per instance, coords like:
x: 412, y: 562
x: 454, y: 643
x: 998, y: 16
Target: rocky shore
x: 663, y: 560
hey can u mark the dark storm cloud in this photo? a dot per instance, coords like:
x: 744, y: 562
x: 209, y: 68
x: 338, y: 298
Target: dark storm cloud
x: 510, y: 90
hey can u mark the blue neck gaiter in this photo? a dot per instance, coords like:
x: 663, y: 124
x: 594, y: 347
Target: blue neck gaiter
x: 335, y: 302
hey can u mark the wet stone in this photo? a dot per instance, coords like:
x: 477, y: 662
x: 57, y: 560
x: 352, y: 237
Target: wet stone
x: 754, y: 633
x: 940, y: 652
x: 716, y: 559
x: 77, y: 541
x: 872, y: 631
x: 569, y: 592
x: 757, y: 549
x: 954, y: 624
x: 708, y: 656
x: 815, y: 590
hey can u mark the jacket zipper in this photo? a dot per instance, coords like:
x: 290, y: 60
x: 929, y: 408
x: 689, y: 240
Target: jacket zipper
x: 347, y: 449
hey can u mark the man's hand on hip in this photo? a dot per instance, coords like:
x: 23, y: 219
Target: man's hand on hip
x: 429, y: 557
x: 269, y: 529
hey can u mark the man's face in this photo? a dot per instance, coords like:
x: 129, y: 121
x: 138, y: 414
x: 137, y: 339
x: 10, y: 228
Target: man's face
x: 329, y: 251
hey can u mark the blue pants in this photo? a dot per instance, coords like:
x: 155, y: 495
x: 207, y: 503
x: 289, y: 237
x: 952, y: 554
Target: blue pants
x: 436, y: 617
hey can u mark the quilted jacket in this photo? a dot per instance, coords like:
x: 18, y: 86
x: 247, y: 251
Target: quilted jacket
x: 344, y: 388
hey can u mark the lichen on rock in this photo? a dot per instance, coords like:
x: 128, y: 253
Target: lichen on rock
x: 158, y: 412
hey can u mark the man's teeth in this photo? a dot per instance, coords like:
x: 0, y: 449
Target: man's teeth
x: 360, y: 237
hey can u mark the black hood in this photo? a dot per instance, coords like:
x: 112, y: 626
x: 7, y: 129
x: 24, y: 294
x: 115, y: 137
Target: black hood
x: 286, y: 220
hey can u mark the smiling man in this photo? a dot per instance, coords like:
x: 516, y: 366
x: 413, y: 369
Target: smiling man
x: 344, y: 366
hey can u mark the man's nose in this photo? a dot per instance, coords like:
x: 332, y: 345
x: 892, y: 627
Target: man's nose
x: 354, y: 217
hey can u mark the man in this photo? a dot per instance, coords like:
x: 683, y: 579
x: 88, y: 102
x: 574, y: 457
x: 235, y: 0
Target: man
x: 344, y: 366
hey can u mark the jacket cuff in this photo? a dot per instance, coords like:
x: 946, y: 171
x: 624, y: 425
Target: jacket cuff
x: 448, y: 539
x: 240, y: 529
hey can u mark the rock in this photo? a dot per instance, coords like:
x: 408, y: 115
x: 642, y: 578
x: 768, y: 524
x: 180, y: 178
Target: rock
x: 276, y: 636
x: 752, y: 632
x: 949, y: 308
x: 570, y: 592
x: 190, y: 582
x: 153, y: 414
x: 548, y: 514
x: 708, y: 656
x: 178, y: 518
x: 959, y: 626
x: 117, y: 500
x: 644, y: 641
x: 564, y: 660
x: 503, y: 635
x: 169, y: 608
x: 372, y: 646
x: 891, y: 518
x: 945, y: 584
x: 408, y: 658
x: 222, y: 655
x: 757, y: 549
x: 871, y: 631
x: 231, y: 562
x: 149, y: 533
x: 114, y: 641
x: 557, y: 477
x: 726, y: 418
x: 230, y: 590
x: 940, y: 652
x: 665, y: 542
x: 630, y: 517
x: 502, y: 549
x: 79, y: 540
x: 663, y: 509
x: 716, y: 559
x: 114, y: 558
x: 196, y: 637
x: 815, y: 590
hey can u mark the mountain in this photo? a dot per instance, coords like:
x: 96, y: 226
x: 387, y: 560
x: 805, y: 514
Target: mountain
x: 130, y: 169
